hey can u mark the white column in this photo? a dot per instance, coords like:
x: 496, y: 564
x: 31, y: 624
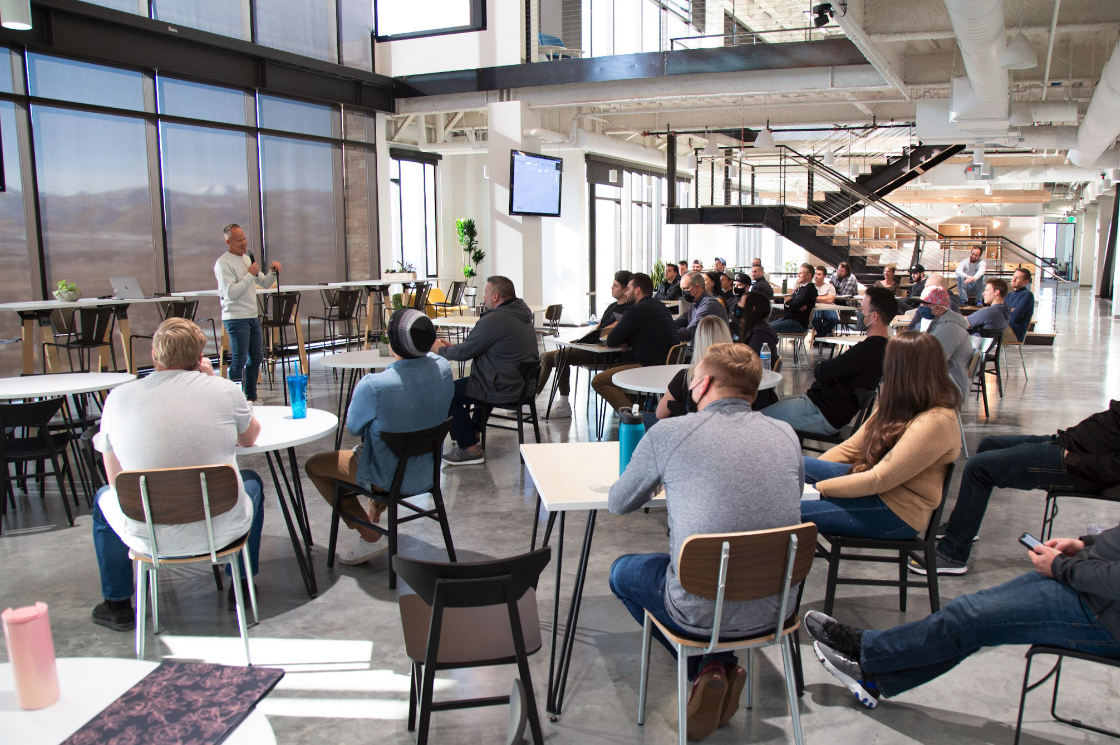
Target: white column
x: 384, y: 206
x: 1087, y: 247
x: 515, y: 242
x: 1104, y: 221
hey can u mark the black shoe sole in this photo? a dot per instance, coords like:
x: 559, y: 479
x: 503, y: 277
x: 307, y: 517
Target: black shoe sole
x: 114, y: 625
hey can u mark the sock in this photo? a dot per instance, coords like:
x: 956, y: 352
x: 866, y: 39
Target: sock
x: 116, y: 605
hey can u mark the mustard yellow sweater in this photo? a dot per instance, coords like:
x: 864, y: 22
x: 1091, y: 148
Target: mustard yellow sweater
x: 910, y: 476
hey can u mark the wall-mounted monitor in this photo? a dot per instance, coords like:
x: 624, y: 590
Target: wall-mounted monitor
x: 534, y: 184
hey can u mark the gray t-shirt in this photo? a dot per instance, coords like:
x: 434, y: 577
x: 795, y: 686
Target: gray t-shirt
x: 690, y: 455
x: 173, y: 419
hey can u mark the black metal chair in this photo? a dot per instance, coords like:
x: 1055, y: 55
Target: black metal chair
x: 406, y: 446
x: 483, y: 413
x: 921, y: 547
x: 280, y: 312
x: 418, y: 296
x: 551, y: 321
x: 458, y: 619
x: 992, y: 357
x: 866, y: 400
x: 342, y: 307
x: 454, y: 301
x: 88, y: 329
x: 35, y: 448
x: 1056, y: 672
x: 1050, y: 511
x: 175, y: 309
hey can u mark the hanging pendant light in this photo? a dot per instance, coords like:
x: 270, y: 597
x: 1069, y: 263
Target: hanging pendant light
x: 764, y: 138
x: 1019, y: 54
x: 711, y: 150
x: 829, y: 159
x: 15, y: 14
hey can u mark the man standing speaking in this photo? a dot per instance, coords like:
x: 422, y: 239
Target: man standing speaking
x: 238, y: 277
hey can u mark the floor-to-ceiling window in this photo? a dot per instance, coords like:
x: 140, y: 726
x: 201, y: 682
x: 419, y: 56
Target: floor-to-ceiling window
x: 412, y: 200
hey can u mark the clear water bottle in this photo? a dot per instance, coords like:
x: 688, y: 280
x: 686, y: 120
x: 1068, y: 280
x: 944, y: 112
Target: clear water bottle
x: 765, y: 356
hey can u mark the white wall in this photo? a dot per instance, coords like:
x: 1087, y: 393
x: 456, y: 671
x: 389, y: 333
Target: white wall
x: 463, y: 193
x: 501, y: 43
x: 564, y: 242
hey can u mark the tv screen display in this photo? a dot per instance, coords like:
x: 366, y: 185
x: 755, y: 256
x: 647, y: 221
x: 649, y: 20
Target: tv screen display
x: 534, y: 184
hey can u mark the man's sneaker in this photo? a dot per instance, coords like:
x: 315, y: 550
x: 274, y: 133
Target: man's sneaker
x: 736, y: 678
x: 463, y: 457
x: 231, y: 598
x: 943, y: 527
x: 705, y: 703
x: 827, y: 630
x: 944, y: 566
x: 363, y: 552
x: 561, y: 409
x: 118, y: 616
x: 849, y: 673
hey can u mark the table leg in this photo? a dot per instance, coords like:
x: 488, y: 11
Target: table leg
x: 295, y: 495
x: 369, y: 319
x: 223, y: 368
x: 561, y: 364
x: 550, y: 707
x: 558, y: 677
x: 123, y: 332
x: 50, y: 352
x: 306, y: 569
x: 301, y: 347
x: 28, y: 344
x: 299, y: 496
x: 345, y: 395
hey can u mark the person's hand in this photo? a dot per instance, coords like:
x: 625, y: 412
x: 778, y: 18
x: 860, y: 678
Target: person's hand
x: 254, y: 269
x: 439, y: 344
x: 1042, y: 557
x: 276, y: 266
x: 205, y: 367
x: 624, y: 346
x: 1067, y: 546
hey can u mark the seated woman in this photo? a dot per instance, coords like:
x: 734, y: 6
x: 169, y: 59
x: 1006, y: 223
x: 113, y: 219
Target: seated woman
x: 750, y: 323
x: 887, y: 479
x: 676, y: 401
x: 714, y: 286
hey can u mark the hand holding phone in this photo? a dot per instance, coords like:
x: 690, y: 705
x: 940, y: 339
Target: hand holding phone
x: 1029, y: 541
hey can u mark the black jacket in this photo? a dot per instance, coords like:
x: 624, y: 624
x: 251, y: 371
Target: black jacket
x: 1095, y: 574
x: 834, y: 390
x: 649, y: 329
x: 667, y: 291
x: 1093, y: 457
x: 800, y: 306
x: 762, y: 286
x: 609, y: 314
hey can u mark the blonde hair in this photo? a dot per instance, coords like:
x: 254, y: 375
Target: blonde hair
x: 734, y: 366
x: 711, y: 330
x: 178, y: 344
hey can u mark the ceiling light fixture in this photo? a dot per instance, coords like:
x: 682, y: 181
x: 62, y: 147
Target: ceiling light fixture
x: 711, y: 150
x: 822, y: 14
x: 15, y: 14
x: 829, y: 159
x: 765, y: 138
x: 1019, y: 54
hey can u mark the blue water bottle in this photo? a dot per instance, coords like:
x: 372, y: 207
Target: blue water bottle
x: 630, y: 432
x: 765, y: 357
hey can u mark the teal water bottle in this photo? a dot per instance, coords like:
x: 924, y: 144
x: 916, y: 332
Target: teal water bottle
x: 630, y: 432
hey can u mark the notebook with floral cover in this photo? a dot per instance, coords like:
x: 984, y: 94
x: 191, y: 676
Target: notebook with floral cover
x: 181, y: 702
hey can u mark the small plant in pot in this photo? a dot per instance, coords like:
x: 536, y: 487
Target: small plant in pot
x: 398, y: 302
x: 67, y: 291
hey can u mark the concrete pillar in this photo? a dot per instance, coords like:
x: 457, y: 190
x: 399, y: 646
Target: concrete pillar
x: 1104, y: 206
x: 1087, y: 246
x: 384, y: 208
x: 515, y: 242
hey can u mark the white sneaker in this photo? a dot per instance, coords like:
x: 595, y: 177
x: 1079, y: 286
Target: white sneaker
x: 363, y: 552
x: 561, y: 409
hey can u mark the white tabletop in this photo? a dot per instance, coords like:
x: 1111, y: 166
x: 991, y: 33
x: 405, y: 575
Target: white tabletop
x: 461, y: 322
x: 579, y: 475
x: 88, y: 685
x: 86, y: 302
x: 595, y: 348
x: 60, y: 384
x: 279, y: 430
x: 260, y: 290
x: 841, y: 341
x: 369, y: 359
x: 656, y: 378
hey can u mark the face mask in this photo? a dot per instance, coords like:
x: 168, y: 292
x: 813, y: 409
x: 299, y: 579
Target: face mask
x: 689, y: 296
x: 739, y: 291
x: 690, y: 404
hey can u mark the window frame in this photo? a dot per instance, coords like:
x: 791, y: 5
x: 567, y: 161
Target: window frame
x: 477, y: 23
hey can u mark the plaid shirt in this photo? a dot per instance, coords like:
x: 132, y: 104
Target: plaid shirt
x: 846, y: 287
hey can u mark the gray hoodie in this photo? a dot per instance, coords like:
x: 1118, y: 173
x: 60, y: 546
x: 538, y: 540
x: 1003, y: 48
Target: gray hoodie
x: 952, y: 331
x: 502, y: 339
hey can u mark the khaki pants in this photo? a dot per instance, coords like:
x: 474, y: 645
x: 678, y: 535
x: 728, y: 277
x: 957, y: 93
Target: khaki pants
x: 321, y: 468
x: 580, y: 357
x: 603, y: 383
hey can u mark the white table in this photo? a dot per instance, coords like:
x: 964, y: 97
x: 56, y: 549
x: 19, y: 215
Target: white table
x: 279, y: 431
x: 62, y: 384
x: 656, y: 378
x: 574, y: 477
x: 351, y: 363
x: 88, y: 685
x: 604, y: 358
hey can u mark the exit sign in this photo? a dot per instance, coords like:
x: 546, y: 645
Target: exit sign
x: 1071, y: 218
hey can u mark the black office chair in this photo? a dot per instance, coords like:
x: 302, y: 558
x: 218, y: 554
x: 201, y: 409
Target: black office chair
x: 173, y: 309
x: 483, y: 413
x: 1056, y: 672
x: 866, y: 400
x: 551, y: 321
x: 1050, y: 511
x: 38, y: 448
x: 406, y: 446
x: 992, y: 356
x: 921, y: 547
x: 280, y: 313
x: 88, y: 329
x: 342, y: 307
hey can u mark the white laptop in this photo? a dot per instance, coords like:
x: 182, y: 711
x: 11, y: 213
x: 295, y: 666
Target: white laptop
x: 127, y: 288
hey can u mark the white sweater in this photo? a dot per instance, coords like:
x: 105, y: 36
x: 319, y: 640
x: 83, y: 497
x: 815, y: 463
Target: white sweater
x: 236, y: 287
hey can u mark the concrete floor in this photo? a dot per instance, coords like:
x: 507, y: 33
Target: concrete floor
x: 347, y: 678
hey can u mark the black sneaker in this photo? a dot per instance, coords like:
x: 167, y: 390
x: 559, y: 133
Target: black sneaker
x: 849, y: 673
x: 116, y: 615
x: 944, y: 566
x: 827, y: 630
x: 943, y: 527
x: 231, y: 599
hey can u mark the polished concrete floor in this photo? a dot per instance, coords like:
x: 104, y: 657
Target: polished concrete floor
x: 347, y: 679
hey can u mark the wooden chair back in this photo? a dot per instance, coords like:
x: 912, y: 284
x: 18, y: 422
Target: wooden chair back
x: 676, y: 354
x: 1009, y: 339
x: 175, y: 495
x: 756, y: 563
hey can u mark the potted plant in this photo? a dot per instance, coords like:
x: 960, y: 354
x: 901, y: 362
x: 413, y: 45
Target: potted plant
x: 67, y: 291
x: 468, y: 239
x: 658, y: 274
x: 397, y: 301
x: 401, y: 273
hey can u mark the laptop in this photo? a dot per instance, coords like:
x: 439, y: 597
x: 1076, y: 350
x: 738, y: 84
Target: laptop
x: 127, y: 288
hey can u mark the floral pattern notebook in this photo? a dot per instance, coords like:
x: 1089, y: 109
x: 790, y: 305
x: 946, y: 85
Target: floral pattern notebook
x: 180, y: 703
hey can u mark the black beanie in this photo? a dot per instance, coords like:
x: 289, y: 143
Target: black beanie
x: 411, y: 333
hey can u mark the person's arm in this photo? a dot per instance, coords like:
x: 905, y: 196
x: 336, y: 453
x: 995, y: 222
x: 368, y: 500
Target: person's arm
x: 1092, y: 576
x: 830, y: 297
x: 248, y: 438
x: 229, y: 286
x: 1100, y: 469
x: 638, y: 483
x: 981, y: 268
x: 624, y: 330
x: 248, y: 428
x: 960, y: 272
x: 112, y: 467
x: 847, y: 451
x: 675, y: 391
x: 926, y: 440
x: 842, y: 366
x: 693, y: 320
x: 264, y: 279
x: 1022, y: 311
x: 663, y: 405
x: 675, y: 292
x: 481, y: 338
x: 363, y: 406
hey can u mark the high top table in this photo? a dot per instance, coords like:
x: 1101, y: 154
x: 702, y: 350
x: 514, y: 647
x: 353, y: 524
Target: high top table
x: 279, y: 431
x: 351, y: 363
x: 604, y: 357
x: 656, y: 378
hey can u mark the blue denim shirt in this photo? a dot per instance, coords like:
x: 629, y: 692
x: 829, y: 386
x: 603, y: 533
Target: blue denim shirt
x: 1021, y: 303
x: 410, y: 395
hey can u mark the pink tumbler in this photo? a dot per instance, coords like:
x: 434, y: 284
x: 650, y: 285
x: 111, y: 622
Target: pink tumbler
x: 27, y: 632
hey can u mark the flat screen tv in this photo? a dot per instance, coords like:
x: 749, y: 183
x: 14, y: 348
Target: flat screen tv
x: 534, y: 184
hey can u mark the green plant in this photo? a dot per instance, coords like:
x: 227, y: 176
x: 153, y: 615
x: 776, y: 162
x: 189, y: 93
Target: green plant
x: 658, y: 274
x: 65, y: 285
x: 403, y: 267
x: 467, y: 232
x: 398, y: 302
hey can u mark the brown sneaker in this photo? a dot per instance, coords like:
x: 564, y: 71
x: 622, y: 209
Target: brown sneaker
x: 736, y: 679
x: 705, y: 704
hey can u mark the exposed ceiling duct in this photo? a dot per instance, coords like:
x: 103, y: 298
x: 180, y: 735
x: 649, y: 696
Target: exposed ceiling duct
x: 579, y: 139
x: 978, y: 25
x: 1102, y: 121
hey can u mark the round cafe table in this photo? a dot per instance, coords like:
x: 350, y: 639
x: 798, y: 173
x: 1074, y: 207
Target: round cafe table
x: 88, y: 685
x: 60, y: 384
x: 656, y: 378
x: 351, y: 363
x: 279, y: 431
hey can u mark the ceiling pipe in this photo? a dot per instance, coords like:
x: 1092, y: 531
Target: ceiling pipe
x: 1102, y: 121
x: 1050, y: 48
x: 978, y: 25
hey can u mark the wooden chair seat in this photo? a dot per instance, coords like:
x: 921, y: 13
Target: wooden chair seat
x: 469, y: 634
x: 793, y: 623
x: 230, y: 549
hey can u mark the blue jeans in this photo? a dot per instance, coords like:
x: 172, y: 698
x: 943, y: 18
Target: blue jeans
x: 1030, y: 609
x: 463, y: 430
x: 638, y: 580
x: 1008, y: 461
x: 973, y: 290
x: 862, y: 517
x: 112, y: 554
x: 802, y: 414
x: 245, y: 343
x: 787, y: 326
x: 825, y: 322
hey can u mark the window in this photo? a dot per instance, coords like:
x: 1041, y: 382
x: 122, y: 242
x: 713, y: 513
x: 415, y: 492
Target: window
x: 398, y: 20
x: 307, y: 27
x: 413, y: 203
x: 295, y: 116
x: 198, y: 101
x: 16, y: 281
x: 82, y: 82
x: 225, y: 17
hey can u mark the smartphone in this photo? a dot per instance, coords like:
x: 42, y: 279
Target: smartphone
x: 1029, y: 541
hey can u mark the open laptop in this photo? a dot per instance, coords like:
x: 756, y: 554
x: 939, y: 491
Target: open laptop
x: 127, y: 288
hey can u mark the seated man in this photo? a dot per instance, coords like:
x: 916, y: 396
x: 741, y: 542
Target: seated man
x: 913, y: 297
x: 670, y: 287
x: 759, y: 282
x: 1021, y: 303
x: 727, y: 291
x: 997, y: 314
x: 1084, y: 458
x: 681, y: 453
x: 951, y: 330
x: 830, y: 403
x: 501, y: 340
x: 826, y: 293
x: 647, y: 332
x: 682, y: 267
x: 924, y: 314
x: 720, y: 265
x: 970, y: 277
x: 799, y: 308
x: 181, y: 415
x: 846, y: 286
x: 703, y: 304
x: 412, y: 394
x: 1071, y: 600
x: 561, y: 408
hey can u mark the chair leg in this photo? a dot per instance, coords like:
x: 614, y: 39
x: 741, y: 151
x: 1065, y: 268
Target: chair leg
x: 241, y: 626
x: 141, y: 608
x: 682, y: 695
x: 412, y: 696
x: 334, y: 527
x: 218, y: 578
x: 984, y: 392
x: 1049, y: 513
x: 153, y: 588
x: 1023, y: 700
x: 444, y: 526
x: 1023, y: 359
x: 250, y: 583
x: 392, y: 513
x: 960, y: 423
x: 798, y: 671
x: 791, y: 690
x: 902, y: 558
x: 748, y: 667
x: 61, y: 488
x: 833, y: 571
x: 931, y: 578
x: 535, y: 420
x: 643, y: 680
